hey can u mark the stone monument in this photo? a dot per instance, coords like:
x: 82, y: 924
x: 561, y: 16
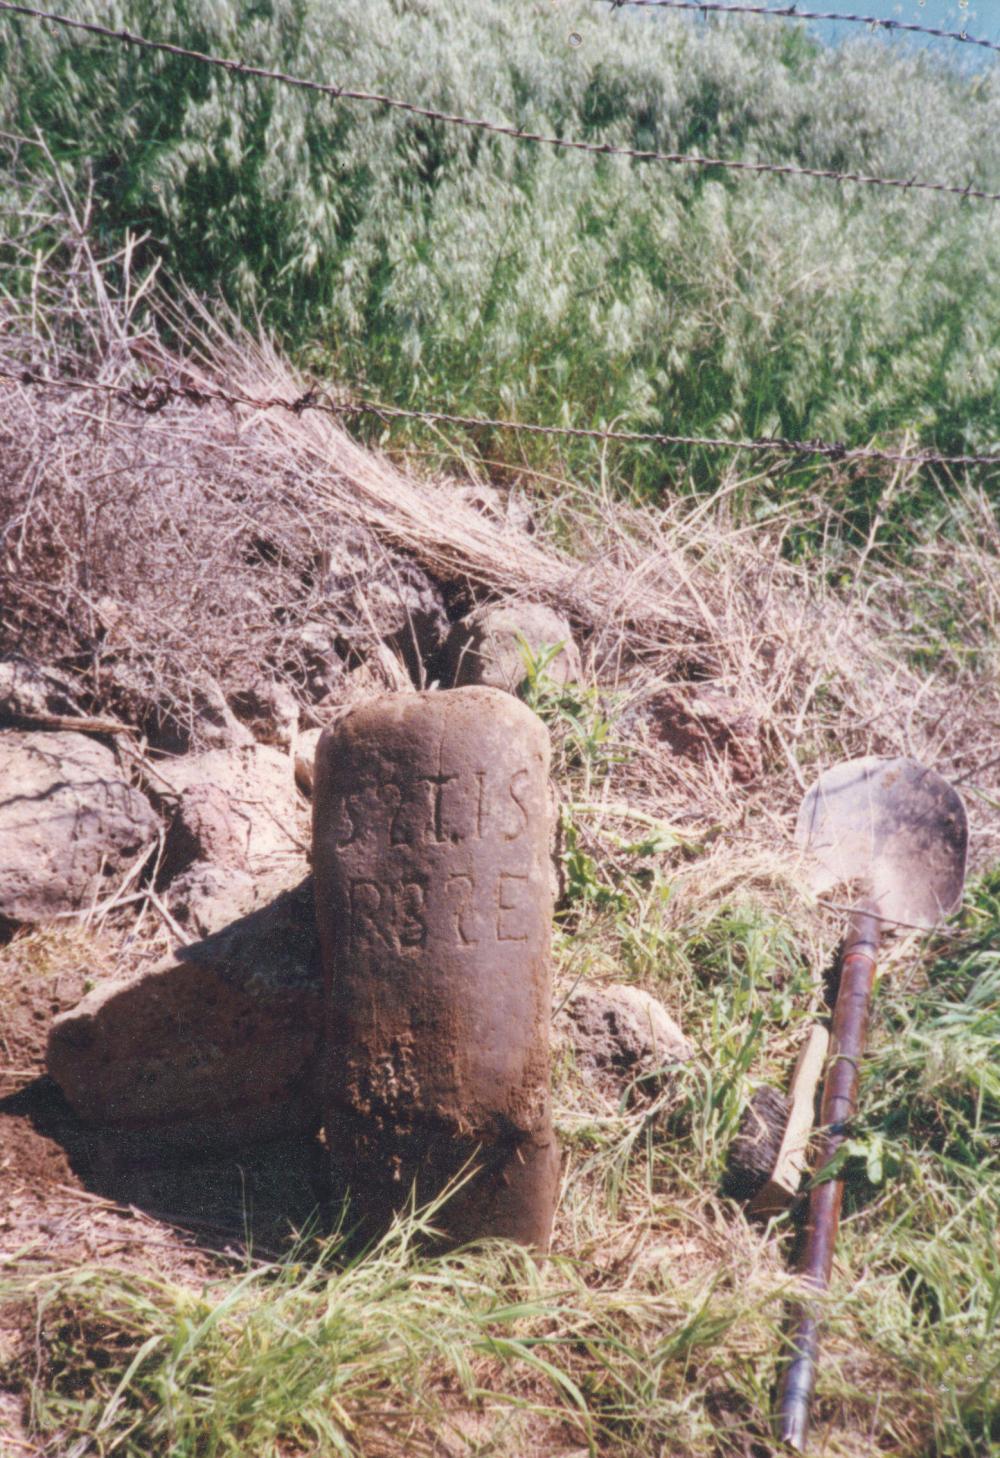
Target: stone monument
x: 431, y: 836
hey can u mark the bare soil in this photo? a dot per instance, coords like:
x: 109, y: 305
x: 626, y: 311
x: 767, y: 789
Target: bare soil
x: 69, y: 1197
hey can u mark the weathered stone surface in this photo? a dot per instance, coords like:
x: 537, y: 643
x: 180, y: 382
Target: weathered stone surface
x: 28, y: 691
x: 206, y: 826
x: 216, y: 723
x: 431, y: 842
x: 68, y: 820
x: 620, y: 1034
x: 703, y: 723
x: 487, y: 648
x: 216, y: 1045
x: 305, y: 756
x: 207, y: 897
x: 258, y: 784
x: 269, y: 710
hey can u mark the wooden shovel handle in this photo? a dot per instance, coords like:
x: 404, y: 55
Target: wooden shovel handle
x: 840, y: 1096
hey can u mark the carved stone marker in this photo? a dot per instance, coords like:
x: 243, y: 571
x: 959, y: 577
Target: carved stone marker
x: 431, y: 852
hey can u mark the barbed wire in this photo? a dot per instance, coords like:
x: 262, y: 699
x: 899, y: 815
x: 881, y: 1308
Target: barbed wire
x: 152, y: 396
x: 795, y: 12
x: 504, y: 129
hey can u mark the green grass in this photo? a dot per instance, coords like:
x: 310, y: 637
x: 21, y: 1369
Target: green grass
x: 433, y: 265
x: 426, y: 264
x: 620, y: 1345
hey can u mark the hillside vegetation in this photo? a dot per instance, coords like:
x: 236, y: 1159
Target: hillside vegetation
x: 786, y: 615
x: 432, y: 265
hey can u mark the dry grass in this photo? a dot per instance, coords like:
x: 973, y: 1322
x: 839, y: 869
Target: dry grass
x: 825, y: 664
x: 655, y: 1328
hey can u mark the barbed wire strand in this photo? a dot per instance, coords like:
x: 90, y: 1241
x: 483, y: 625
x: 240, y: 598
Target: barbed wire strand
x: 520, y: 134
x: 795, y: 12
x: 152, y: 396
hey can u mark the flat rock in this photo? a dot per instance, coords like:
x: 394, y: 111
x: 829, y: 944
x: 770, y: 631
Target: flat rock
x: 620, y: 1034
x: 487, y: 646
x: 69, y: 822
x: 216, y: 1045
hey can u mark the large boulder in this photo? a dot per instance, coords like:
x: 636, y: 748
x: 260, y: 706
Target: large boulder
x: 487, y: 647
x: 69, y: 822
x: 214, y: 1046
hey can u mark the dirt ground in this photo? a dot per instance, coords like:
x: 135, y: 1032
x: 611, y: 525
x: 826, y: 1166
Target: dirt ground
x: 70, y: 1198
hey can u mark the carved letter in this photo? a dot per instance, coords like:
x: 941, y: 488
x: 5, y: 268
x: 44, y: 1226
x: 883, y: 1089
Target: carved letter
x: 435, y: 785
x: 480, y: 803
x: 366, y: 901
x: 504, y: 904
x: 522, y: 808
x: 463, y: 936
x: 413, y: 927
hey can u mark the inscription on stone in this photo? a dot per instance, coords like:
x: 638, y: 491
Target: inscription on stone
x: 430, y: 844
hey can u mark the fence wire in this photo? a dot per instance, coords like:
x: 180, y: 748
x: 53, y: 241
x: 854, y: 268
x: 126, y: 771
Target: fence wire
x: 152, y: 396
x: 795, y: 12
x: 519, y: 134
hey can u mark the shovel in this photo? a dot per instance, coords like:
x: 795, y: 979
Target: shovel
x: 891, y: 836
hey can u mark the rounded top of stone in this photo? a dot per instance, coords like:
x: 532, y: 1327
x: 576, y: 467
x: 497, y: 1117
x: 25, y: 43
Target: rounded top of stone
x: 458, y: 707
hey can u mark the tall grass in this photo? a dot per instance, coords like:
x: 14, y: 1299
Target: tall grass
x: 429, y: 264
x: 658, y: 1328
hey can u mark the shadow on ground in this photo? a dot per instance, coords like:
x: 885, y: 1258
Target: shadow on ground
x: 255, y: 1199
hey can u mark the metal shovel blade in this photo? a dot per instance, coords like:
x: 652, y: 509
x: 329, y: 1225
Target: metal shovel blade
x: 888, y: 834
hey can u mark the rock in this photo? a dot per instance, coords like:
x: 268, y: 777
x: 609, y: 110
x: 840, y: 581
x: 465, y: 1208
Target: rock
x: 431, y: 847
x: 215, y: 1046
x: 207, y: 897
x: 504, y: 506
x: 621, y: 1034
x: 486, y: 646
x: 322, y: 667
x: 69, y: 821
x: 411, y: 615
x: 259, y: 788
x: 28, y: 691
x: 216, y: 723
x: 305, y: 759
x: 269, y: 710
x: 704, y: 723
x: 206, y: 826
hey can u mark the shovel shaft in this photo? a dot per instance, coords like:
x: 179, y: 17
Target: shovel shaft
x: 840, y: 1096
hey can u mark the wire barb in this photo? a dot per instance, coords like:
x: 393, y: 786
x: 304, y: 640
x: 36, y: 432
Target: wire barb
x: 502, y: 129
x: 154, y: 395
x: 792, y: 12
